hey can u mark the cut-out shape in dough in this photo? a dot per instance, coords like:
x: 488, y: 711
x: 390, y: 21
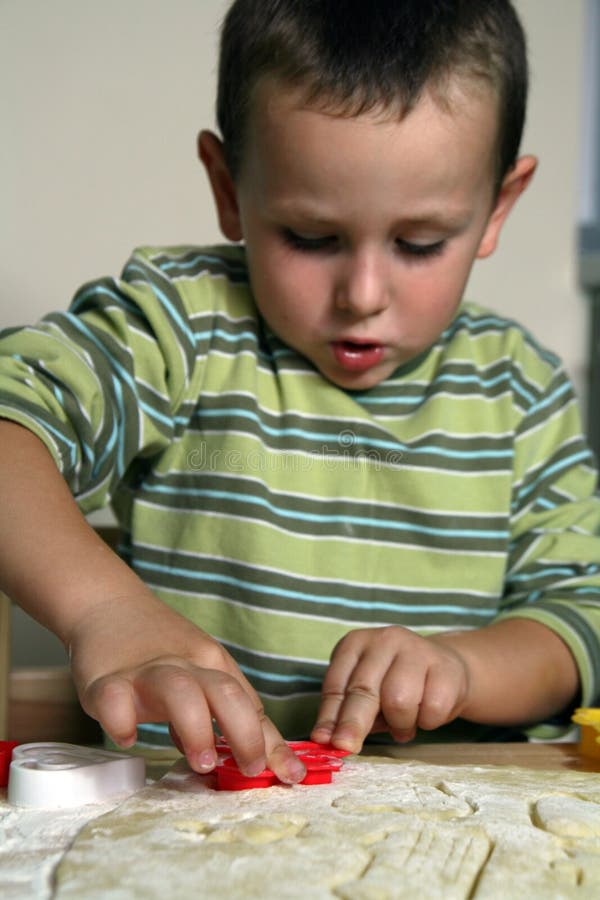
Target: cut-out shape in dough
x: 567, y: 816
x: 423, y: 860
x: 425, y: 801
x: 258, y: 830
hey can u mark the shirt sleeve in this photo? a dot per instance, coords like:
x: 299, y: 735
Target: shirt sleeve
x: 553, y: 572
x: 102, y: 384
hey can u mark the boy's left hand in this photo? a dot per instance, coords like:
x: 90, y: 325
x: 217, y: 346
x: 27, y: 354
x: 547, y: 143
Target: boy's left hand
x: 389, y: 679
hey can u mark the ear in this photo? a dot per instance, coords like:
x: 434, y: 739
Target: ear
x: 512, y: 187
x: 210, y: 151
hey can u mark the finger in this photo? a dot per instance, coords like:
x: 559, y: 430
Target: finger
x: 327, y: 716
x: 234, y: 706
x: 344, y: 660
x: 110, y: 700
x: 205, y: 764
x: 361, y: 703
x: 402, y: 692
x: 269, y: 747
x: 356, y: 717
x: 441, y: 696
x: 281, y: 760
x: 190, y: 697
x: 175, y: 694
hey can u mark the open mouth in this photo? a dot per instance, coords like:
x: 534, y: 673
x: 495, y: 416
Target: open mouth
x: 357, y: 356
x: 357, y: 346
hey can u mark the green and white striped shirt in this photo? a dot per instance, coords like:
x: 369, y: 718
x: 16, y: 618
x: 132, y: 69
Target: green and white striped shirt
x: 278, y: 511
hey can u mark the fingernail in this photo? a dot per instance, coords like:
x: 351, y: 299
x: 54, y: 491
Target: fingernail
x: 295, y: 771
x: 323, y: 730
x: 346, y: 742
x: 204, y: 761
x: 255, y: 768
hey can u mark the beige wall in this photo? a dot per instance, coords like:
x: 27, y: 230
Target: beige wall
x: 533, y: 275
x: 101, y: 103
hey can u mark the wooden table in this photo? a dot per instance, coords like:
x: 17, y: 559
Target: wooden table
x: 529, y: 755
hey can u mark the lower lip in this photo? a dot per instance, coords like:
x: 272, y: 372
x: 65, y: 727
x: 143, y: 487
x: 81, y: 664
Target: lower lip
x: 357, y: 357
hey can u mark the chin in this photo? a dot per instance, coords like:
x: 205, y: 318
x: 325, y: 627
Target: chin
x: 355, y: 381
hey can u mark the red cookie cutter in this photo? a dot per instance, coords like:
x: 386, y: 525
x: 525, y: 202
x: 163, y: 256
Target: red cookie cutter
x: 6, y: 749
x: 320, y: 760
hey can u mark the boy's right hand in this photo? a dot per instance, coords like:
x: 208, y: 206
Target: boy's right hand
x: 133, y: 658
x: 136, y: 660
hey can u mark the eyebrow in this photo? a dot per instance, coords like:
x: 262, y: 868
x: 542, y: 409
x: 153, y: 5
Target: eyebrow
x: 453, y: 221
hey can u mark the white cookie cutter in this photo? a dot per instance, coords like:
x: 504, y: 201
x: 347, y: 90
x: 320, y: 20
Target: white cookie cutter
x: 52, y: 774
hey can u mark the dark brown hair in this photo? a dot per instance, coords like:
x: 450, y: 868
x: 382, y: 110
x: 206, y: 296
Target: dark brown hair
x: 352, y: 56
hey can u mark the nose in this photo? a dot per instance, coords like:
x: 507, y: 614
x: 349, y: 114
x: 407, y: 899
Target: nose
x: 362, y: 287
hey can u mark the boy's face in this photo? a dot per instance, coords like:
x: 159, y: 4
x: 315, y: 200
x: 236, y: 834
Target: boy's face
x: 361, y: 232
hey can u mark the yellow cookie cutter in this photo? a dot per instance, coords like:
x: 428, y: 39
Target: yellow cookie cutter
x: 588, y: 720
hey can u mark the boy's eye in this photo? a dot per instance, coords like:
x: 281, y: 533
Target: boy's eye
x: 306, y: 243
x: 421, y: 251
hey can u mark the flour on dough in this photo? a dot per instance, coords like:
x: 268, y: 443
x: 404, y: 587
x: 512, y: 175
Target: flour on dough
x: 379, y: 831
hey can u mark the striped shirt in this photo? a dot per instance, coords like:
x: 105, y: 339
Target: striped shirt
x: 279, y: 511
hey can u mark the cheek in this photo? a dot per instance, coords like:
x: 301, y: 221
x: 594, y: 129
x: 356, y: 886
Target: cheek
x: 430, y: 300
x: 290, y: 286
x: 447, y: 283
x: 277, y: 293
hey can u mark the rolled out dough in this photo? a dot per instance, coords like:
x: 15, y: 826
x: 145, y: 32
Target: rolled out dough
x: 381, y: 830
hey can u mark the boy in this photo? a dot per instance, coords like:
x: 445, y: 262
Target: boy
x: 351, y: 503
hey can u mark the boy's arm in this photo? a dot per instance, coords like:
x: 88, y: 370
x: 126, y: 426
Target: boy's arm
x: 513, y: 672
x: 134, y: 659
x: 540, y: 654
